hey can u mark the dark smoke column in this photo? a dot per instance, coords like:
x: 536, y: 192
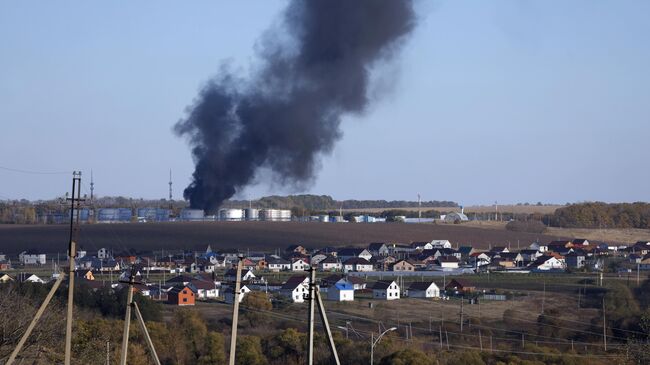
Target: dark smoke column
x: 315, y: 69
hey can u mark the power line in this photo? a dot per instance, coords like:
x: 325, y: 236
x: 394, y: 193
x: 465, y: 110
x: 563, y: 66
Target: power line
x: 33, y: 172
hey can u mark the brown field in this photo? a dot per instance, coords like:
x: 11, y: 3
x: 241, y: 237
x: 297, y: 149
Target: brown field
x: 626, y: 235
x: 517, y: 209
x: 250, y: 235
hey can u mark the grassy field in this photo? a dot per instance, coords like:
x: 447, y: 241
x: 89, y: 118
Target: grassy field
x: 249, y: 235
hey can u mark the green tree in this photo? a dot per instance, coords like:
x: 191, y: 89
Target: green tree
x: 249, y: 351
x: 408, y: 357
x: 215, y: 352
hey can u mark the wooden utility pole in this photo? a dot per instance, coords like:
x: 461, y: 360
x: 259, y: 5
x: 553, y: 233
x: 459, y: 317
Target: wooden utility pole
x: 235, y: 312
x: 480, y: 339
x: 440, y: 336
x: 72, y: 252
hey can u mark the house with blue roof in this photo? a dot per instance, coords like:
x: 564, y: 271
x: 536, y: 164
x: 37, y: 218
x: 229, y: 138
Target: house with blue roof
x: 341, y: 291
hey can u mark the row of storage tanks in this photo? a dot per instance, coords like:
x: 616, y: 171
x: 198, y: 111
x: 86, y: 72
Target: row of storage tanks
x: 248, y: 214
x: 163, y: 215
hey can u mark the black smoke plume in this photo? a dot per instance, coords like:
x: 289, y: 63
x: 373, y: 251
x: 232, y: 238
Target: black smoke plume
x: 314, y: 69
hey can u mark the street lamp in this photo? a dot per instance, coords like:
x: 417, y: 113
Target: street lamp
x: 374, y: 342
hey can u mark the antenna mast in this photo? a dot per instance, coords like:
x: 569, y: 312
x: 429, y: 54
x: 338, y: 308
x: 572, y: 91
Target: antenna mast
x: 171, y: 200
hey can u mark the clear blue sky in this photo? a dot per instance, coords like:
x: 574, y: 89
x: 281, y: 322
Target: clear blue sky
x: 490, y: 100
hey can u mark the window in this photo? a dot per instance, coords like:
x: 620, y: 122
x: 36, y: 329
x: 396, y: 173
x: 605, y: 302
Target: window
x: 185, y: 300
x: 184, y: 291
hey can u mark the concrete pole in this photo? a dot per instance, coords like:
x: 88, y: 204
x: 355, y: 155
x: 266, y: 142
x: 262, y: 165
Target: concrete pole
x: 604, y: 327
x: 310, y: 317
x: 143, y: 327
x: 372, y: 348
x: 72, y: 252
x: 38, y: 315
x: 326, y: 324
x: 235, y: 313
x: 127, y: 324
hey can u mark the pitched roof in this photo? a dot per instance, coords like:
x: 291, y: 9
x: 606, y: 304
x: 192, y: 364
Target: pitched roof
x: 420, y: 285
x: 375, y: 246
x: 382, y: 284
x: 344, y: 286
x: 178, y: 288
x: 293, y: 282
x: 350, y: 251
x: 356, y: 261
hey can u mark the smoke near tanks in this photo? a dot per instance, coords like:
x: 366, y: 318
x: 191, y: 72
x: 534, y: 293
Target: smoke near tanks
x: 314, y: 69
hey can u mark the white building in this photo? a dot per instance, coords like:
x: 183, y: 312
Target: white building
x: 342, y: 291
x: 420, y: 289
x: 357, y: 264
x: 103, y: 253
x: 331, y: 263
x: 299, y: 265
x: 387, y: 290
x: 440, y: 243
x: 31, y: 257
x: 296, y: 288
x: 548, y: 263
x: 229, y: 295
x: 278, y: 264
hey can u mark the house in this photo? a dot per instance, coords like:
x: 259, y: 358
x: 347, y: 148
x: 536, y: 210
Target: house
x: 575, y: 260
x: 246, y: 275
x: 5, y: 265
x: 32, y: 257
x: 440, y: 244
x: 260, y: 265
x: 387, y: 290
x: 330, y: 263
x: 378, y: 249
x: 357, y: 264
x: 341, y: 291
x: 296, y: 249
x: 530, y: 255
x: 229, y: 295
x: 299, y: 265
x: 460, y: 286
x: 403, y: 265
x: 103, y: 254
x: 24, y: 277
x: 357, y: 282
x: 88, y: 275
x: 421, y: 246
x: 466, y: 251
x: 179, y: 280
x: 580, y: 242
x: 634, y: 258
x: 448, y: 262
x: 347, y: 253
x: 478, y: 259
x: 181, y: 295
x: 205, y: 289
x: 645, y: 263
x: 546, y: 263
x: 509, y: 259
x: 317, y: 258
x: 423, y: 289
x: 499, y: 249
x: 5, y: 278
x: 278, y: 264
x: 296, y: 288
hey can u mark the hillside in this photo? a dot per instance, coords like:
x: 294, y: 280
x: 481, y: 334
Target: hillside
x: 248, y: 235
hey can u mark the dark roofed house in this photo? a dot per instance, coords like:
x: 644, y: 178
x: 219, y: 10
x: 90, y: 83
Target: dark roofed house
x: 378, y: 249
x: 460, y: 285
x: 423, y: 289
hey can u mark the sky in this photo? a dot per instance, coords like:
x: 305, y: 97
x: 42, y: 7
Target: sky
x: 508, y: 101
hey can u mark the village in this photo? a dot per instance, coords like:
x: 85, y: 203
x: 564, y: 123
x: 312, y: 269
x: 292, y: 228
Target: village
x: 379, y: 271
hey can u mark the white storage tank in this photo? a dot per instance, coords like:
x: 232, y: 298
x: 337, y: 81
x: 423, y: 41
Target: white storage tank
x: 251, y: 214
x: 275, y: 215
x: 231, y: 214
